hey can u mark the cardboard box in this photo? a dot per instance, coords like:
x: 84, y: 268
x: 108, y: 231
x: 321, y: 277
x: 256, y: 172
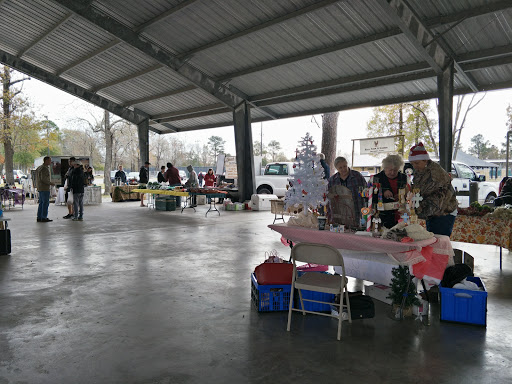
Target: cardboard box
x: 378, y: 292
x: 262, y: 202
x: 200, y: 199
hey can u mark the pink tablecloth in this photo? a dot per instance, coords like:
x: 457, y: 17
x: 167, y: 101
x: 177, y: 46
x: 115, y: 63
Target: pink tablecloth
x: 427, y: 257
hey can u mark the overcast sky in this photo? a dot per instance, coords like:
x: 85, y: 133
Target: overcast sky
x: 488, y: 119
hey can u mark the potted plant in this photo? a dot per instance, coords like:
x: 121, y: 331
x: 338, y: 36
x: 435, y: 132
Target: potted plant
x: 403, y: 292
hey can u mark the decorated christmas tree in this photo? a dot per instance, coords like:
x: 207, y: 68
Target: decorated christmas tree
x: 403, y: 289
x: 308, y: 188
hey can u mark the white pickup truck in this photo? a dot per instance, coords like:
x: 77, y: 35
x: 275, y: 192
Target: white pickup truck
x: 462, y: 176
x: 274, y: 179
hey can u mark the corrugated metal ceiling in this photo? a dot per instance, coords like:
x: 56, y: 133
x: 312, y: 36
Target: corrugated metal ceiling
x: 188, y: 62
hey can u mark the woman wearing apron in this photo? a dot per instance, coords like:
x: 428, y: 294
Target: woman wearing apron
x: 345, y: 200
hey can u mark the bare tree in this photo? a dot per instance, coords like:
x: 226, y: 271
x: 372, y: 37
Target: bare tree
x: 106, y: 128
x: 429, y: 125
x: 329, y: 136
x: 460, y: 119
x: 159, y: 147
x: 8, y: 107
x: 274, y: 147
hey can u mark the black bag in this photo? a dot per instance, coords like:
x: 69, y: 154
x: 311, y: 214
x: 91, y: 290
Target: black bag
x: 5, y: 241
x: 361, y: 307
x: 455, y: 274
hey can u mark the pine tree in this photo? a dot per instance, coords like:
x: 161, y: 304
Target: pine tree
x: 401, y: 277
x: 308, y: 186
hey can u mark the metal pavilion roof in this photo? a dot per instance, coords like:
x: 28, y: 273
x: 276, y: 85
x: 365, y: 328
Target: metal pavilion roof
x: 185, y: 64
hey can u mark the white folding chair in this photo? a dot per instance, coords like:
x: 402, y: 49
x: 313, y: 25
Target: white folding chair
x: 319, y: 282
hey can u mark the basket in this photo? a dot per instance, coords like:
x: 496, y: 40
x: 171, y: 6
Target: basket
x: 277, y: 207
x: 269, y: 298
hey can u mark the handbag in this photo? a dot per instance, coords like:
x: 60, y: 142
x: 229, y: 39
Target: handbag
x: 70, y: 197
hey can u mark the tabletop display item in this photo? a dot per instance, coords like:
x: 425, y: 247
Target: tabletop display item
x: 403, y: 292
x: 308, y: 188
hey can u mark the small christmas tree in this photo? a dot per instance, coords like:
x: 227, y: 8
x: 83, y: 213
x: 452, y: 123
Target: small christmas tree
x: 308, y: 186
x: 403, y: 290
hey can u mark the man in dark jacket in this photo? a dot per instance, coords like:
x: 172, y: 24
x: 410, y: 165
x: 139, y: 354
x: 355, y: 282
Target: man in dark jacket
x: 78, y: 185
x: 161, y: 174
x: 121, y: 175
x: 143, y: 179
x: 172, y: 175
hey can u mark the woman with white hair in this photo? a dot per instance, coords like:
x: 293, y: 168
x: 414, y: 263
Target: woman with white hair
x: 345, y: 200
x: 391, y: 181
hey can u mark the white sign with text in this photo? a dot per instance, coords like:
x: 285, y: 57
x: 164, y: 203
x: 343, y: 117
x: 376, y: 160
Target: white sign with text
x: 377, y: 145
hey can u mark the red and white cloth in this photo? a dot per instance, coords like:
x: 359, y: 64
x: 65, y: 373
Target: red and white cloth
x: 427, y: 257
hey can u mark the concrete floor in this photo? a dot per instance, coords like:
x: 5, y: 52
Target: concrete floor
x: 131, y: 295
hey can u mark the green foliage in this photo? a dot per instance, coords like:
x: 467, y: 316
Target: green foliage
x: 413, y: 120
x: 483, y: 149
x: 402, y: 284
x: 216, y: 146
x: 273, y: 149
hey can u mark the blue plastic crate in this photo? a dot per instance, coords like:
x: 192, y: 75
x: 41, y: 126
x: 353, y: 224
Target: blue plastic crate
x: 269, y: 298
x: 464, y: 306
x: 313, y: 295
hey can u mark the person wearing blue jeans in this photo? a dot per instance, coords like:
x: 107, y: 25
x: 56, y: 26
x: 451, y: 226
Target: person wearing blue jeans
x: 43, y: 188
x: 78, y: 181
x: 439, y: 204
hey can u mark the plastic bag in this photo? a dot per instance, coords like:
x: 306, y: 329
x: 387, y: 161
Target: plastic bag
x: 273, y: 257
x: 70, y: 198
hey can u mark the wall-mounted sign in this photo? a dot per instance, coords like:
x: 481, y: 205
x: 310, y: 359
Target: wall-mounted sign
x: 377, y: 145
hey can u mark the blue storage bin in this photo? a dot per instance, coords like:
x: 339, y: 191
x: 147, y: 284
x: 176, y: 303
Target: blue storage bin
x: 269, y: 298
x: 463, y: 305
x: 313, y: 295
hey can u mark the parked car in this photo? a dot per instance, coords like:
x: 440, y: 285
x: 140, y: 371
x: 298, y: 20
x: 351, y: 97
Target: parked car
x: 132, y: 177
x: 366, y: 175
x: 274, y: 179
x: 113, y: 176
x: 18, y: 175
x: 183, y: 176
x: 462, y: 176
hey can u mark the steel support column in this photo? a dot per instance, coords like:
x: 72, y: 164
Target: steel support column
x: 143, y: 130
x: 445, y: 110
x: 244, y: 153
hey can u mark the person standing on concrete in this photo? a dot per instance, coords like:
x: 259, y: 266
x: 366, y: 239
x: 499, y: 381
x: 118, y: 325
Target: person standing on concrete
x: 200, y: 177
x: 67, y: 187
x: 172, y: 175
x: 43, y: 187
x: 78, y: 182
x: 143, y: 179
x: 161, y: 174
x: 192, y: 183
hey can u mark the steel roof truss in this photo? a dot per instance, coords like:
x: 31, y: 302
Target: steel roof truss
x: 32, y: 70
x: 113, y: 43
x: 130, y: 37
x: 44, y: 36
x: 127, y: 77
